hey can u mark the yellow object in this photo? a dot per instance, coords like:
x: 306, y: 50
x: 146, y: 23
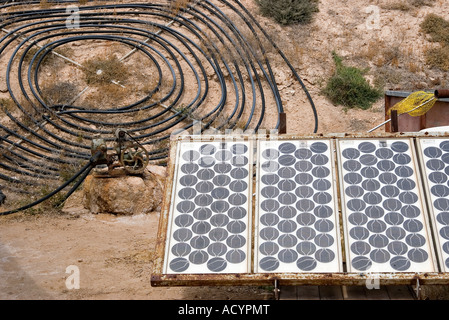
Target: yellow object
x: 416, y: 104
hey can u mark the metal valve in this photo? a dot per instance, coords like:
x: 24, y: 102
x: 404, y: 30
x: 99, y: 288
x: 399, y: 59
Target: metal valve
x: 129, y: 153
x: 132, y: 156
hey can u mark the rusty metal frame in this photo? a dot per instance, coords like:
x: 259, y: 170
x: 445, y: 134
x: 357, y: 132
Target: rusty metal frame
x: 159, y: 279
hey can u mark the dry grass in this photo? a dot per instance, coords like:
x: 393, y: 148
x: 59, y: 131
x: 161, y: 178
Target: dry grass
x: 44, y: 4
x: 387, y: 77
x: 438, y: 30
x: 58, y: 93
x: 178, y: 5
x: 7, y: 105
x: 102, y: 70
x: 68, y: 170
x: 406, y: 5
x: 50, y: 60
x: 381, y: 54
x: 106, y: 96
x: 394, y: 66
x: 28, y: 117
x: 438, y: 57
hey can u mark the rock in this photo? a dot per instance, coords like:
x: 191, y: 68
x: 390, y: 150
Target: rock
x: 3, y: 87
x: 125, y: 195
x: 74, y: 204
x: 157, y: 170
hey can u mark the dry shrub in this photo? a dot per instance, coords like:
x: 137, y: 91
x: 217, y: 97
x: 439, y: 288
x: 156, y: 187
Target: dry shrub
x: 44, y: 4
x: 372, y: 49
x: 30, y: 114
x: 438, y: 57
x: 406, y: 5
x: 381, y: 53
x: 7, y: 105
x: 438, y: 30
x: 420, y: 3
x: 102, y: 70
x: 59, y: 93
x: 50, y: 59
x: 106, y: 96
x: 387, y: 76
x: 177, y: 5
x: 436, y: 27
x: 391, y: 55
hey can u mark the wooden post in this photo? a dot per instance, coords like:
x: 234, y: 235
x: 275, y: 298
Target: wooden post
x: 387, y: 107
x: 394, y: 121
x: 282, y: 123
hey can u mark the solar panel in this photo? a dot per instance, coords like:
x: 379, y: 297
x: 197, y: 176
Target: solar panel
x: 435, y: 164
x: 209, y: 226
x: 385, y: 221
x: 297, y: 227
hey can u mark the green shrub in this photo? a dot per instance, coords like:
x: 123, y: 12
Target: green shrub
x: 348, y: 87
x: 288, y: 12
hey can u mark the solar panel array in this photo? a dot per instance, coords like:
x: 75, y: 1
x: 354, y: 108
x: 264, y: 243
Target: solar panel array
x: 393, y: 195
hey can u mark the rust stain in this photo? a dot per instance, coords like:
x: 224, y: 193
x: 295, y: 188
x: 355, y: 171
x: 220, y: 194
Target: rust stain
x: 316, y: 279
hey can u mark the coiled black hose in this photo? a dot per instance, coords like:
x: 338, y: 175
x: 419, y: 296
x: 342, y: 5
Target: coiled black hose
x: 84, y: 172
x: 209, y: 61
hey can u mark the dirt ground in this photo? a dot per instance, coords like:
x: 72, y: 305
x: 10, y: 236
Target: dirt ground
x: 114, y: 253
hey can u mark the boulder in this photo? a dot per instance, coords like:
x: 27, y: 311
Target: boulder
x: 123, y: 195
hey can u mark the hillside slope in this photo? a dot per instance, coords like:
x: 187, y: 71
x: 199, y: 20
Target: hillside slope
x: 383, y: 36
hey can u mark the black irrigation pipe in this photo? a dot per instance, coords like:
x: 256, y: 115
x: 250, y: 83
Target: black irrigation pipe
x: 193, y: 51
x: 84, y: 172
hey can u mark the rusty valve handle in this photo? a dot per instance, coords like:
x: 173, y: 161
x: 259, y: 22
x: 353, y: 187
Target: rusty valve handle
x: 442, y: 93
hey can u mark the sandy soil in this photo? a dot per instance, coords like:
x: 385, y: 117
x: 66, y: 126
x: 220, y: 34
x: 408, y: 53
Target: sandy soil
x: 114, y: 254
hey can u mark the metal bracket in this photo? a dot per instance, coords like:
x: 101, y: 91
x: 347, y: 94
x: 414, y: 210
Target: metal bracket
x: 276, y: 290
